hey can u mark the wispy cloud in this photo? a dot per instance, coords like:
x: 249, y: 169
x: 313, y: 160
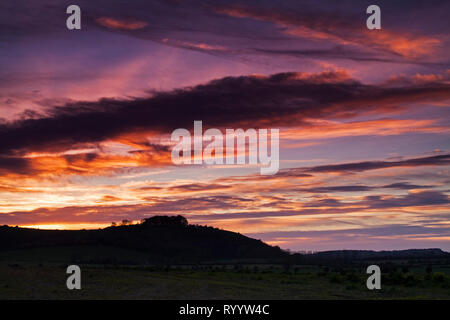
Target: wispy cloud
x: 119, y: 24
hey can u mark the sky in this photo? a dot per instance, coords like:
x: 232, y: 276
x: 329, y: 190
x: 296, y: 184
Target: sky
x: 86, y: 117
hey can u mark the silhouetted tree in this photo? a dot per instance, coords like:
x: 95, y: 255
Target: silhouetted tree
x: 125, y: 222
x: 165, y: 221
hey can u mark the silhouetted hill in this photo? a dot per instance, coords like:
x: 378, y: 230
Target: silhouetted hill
x: 171, y: 240
x: 156, y: 240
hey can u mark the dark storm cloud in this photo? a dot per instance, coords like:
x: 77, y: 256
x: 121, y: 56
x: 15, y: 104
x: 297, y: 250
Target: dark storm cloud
x: 285, y: 99
x: 339, y: 189
x: 15, y: 165
x: 341, y: 53
x: 424, y: 198
x: 405, y: 186
x: 373, y: 165
x: 198, y: 187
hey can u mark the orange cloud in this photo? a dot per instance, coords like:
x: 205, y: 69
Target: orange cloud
x: 324, y: 27
x: 408, y: 46
x: 108, y: 198
x: 193, y: 45
x: 117, y: 24
x: 49, y: 165
x: 323, y: 129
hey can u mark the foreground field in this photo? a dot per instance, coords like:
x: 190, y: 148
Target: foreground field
x: 30, y: 281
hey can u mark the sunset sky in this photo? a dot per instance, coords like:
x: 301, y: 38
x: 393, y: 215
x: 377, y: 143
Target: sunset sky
x: 86, y: 117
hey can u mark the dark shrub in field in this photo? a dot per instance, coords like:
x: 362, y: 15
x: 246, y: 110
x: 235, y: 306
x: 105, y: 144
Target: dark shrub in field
x: 438, y: 277
x: 335, y: 278
x: 353, y: 278
x: 393, y: 278
x: 411, y: 280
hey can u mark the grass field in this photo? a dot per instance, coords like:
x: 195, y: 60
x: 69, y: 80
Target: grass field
x: 37, y: 281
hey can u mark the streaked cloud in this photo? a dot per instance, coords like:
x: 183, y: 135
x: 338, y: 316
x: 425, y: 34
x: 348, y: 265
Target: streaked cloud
x: 118, y: 24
